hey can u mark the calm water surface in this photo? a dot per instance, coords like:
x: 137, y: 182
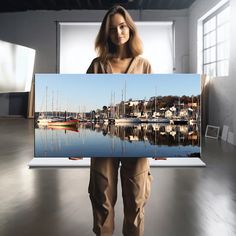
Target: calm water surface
x: 100, y: 140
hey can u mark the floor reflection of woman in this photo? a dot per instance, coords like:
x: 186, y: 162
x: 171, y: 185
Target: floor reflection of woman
x: 119, y: 47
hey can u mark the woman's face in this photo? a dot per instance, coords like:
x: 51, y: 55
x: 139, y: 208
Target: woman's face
x: 118, y: 30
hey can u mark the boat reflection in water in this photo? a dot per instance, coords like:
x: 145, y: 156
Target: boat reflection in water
x: 118, y: 140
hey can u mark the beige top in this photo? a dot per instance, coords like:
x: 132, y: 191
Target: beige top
x: 138, y: 65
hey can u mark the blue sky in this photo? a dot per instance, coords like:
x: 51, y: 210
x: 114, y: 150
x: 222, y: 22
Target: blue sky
x: 86, y: 92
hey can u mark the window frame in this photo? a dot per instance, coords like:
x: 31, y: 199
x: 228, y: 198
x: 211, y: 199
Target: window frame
x: 216, y: 61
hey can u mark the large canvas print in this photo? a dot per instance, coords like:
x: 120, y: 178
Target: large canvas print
x: 117, y: 115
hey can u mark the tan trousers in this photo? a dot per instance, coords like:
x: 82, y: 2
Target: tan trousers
x: 135, y: 182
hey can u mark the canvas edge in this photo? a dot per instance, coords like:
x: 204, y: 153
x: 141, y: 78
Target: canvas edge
x: 85, y: 162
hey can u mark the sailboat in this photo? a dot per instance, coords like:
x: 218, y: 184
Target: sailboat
x: 126, y: 119
x: 65, y: 122
x: 157, y: 119
x: 45, y: 120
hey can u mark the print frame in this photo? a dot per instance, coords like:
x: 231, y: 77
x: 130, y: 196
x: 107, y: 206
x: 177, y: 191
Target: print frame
x: 151, y: 130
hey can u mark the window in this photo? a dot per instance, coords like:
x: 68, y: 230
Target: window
x: 216, y: 43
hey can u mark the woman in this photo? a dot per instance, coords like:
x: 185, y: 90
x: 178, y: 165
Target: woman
x: 119, y: 47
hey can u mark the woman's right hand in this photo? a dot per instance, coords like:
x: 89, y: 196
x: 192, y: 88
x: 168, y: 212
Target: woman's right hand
x: 159, y: 158
x: 75, y: 158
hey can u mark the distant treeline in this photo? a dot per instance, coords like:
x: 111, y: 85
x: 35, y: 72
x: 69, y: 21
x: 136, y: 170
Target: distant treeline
x: 169, y: 101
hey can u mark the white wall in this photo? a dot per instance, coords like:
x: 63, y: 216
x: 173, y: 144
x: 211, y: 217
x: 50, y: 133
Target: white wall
x: 222, y: 96
x: 232, y: 69
x: 37, y: 29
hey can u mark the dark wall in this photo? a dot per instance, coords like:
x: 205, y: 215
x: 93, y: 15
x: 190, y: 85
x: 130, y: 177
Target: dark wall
x: 4, y: 104
x: 13, y: 104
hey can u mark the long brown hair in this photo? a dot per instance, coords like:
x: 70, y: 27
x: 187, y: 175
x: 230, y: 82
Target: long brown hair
x: 103, y: 45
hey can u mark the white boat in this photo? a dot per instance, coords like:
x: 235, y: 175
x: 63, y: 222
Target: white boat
x: 133, y: 138
x: 158, y: 120
x: 127, y: 120
x: 45, y: 120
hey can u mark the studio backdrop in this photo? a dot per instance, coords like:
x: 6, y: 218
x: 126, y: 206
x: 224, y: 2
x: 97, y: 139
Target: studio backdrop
x: 76, y: 45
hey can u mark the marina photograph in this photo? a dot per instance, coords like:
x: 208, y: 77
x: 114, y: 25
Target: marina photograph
x: 117, y: 115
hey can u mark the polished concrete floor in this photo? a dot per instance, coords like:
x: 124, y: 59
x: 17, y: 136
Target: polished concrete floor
x: 54, y: 202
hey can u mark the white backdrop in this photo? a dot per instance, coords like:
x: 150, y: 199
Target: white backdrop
x: 76, y: 45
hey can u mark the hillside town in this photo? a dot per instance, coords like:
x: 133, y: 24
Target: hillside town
x: 167, y: 109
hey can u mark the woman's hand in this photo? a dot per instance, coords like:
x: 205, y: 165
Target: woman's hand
x: 75, y: 158
x: 159, y: 158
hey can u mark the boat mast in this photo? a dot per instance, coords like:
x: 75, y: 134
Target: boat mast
x: 179, y: 107
x: 114, y: 105
x: 192, y: 107
x: 57, y: 105
x: 52, y: 102
x: 155, y: 100
x: 46, y: 101
x: 124, y: 98
x: 111, y: 112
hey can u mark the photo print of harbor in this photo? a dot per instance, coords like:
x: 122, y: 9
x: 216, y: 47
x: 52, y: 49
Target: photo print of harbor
x: 117, y: 115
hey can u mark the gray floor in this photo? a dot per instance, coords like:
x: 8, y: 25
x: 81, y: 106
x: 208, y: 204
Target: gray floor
x: 41, y: 202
